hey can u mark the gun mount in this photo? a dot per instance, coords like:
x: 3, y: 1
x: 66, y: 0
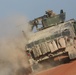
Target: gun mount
x: 48, y: 20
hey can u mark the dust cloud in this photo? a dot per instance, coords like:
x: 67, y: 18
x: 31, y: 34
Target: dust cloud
x: 13, y: 58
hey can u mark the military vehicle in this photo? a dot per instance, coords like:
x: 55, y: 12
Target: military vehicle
x: 55, y: 38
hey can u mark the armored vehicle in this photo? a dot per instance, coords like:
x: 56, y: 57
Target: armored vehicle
x: 54, y: 39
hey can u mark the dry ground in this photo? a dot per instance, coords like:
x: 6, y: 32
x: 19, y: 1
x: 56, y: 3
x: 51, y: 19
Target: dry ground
x: 64, y: 69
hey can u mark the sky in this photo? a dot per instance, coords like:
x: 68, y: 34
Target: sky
x: 35, y: 8
x: 32, y: 9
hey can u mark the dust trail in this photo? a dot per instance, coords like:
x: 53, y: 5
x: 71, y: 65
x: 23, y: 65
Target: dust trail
x: 13, y: 59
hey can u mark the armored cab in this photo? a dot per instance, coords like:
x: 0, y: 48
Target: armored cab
x: 54, y: 38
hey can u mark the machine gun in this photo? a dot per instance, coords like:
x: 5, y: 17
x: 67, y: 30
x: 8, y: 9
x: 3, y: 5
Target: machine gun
x: 36, y: 22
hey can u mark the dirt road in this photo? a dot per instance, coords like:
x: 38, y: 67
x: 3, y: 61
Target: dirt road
x: 64, y: 69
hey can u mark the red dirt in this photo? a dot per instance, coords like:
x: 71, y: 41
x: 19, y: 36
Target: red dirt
x: 65, y: 69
